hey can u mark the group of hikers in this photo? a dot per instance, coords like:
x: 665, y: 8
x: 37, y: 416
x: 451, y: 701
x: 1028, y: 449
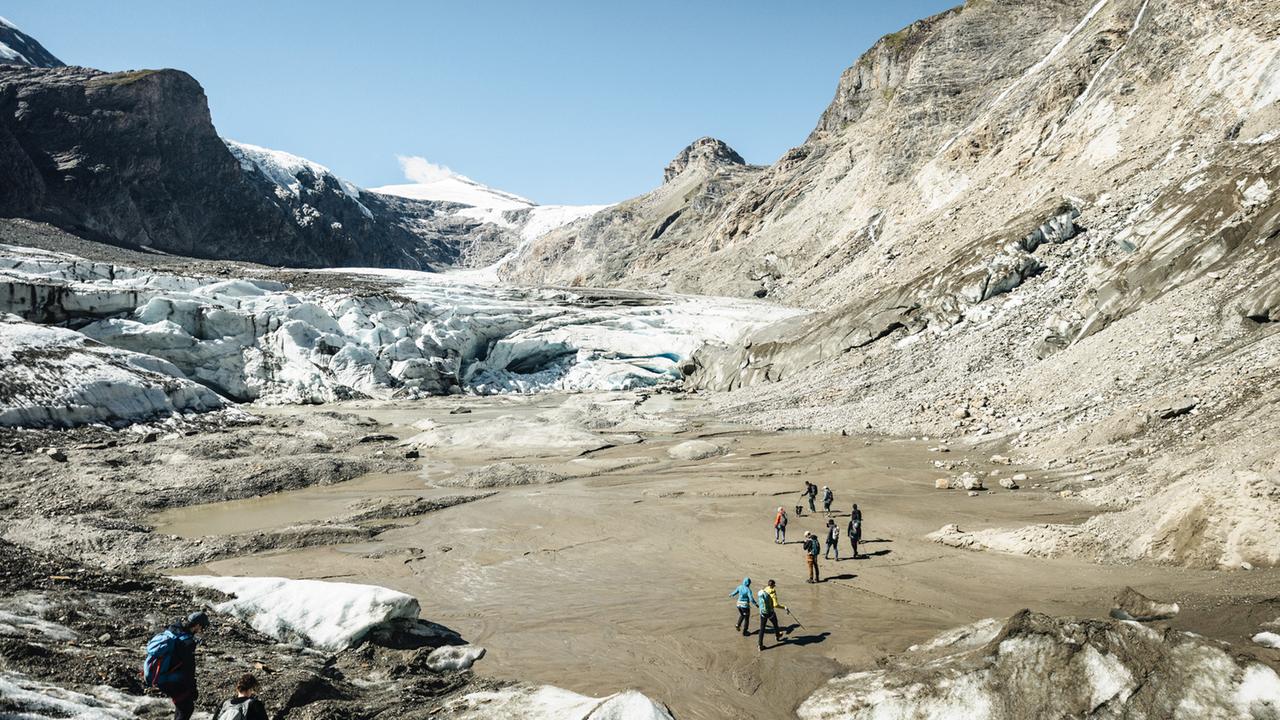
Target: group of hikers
x: 767, y: 599
x: 170, y: 667
x: 853, y: 529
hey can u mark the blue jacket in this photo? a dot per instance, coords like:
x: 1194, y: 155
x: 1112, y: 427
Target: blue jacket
x: 743, y: 593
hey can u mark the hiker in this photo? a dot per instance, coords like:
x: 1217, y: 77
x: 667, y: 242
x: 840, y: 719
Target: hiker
x: 811, y: 549
x: 780, y: 526
x: 767, y: 602
x: 833, y: 540
x: 827, y: 497
x: 855, y: 513
x: 244, y: 706
x: 811, y: 492
x: 855, y: 530
x: 170, y: 665
x: 745, y: 601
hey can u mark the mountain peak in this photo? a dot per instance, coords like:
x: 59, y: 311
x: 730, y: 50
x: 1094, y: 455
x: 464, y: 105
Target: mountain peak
x: 438, y: 183
x: 705, y: 152
x: 17, y: 47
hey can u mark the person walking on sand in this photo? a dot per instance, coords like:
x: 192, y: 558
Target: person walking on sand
x: 245, y: 705
x: 811, y: 549
x: 766, y: 601
x: 780, y: 526
x: 827, y: 497
x: 170, y: 665
x: 855, y: 534
x: 811, y: 492
x: 833, y: 540
x: 745, y: 600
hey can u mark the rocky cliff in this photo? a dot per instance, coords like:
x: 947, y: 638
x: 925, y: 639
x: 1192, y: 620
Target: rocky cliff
x: 1041, y: 224
x: 631, y: 243
x: 133, y: 159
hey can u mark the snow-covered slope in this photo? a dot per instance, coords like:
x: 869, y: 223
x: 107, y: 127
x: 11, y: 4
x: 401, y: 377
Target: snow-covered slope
x: 485, y: 205
x: 326, y: 615
x: 289, y: 172
x: 17, y: 47
x: 439, y: 183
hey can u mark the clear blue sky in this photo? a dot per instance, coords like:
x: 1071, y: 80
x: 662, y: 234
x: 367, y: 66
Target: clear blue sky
x: 562, y: 102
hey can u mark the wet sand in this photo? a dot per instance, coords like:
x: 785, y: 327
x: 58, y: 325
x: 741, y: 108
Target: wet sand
x: 622, y: 578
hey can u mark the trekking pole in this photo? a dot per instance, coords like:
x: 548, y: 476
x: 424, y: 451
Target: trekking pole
x: 793, y: 617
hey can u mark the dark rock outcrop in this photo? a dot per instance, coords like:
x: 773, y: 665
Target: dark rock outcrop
x: 133, y: 159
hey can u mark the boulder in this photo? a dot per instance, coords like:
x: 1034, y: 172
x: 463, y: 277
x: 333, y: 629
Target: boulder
x: 1133, y: 605
x: 1175, y: 408
x: 454, y: 657
x: 1008, y: 483
x: 694, y: 450
x: 1095, y: 669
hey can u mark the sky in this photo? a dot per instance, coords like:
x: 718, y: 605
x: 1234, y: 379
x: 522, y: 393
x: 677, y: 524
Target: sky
x: 567, y: 102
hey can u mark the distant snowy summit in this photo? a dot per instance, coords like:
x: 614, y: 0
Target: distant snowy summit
x: 484, y: 205
x: 440, y: 184
x: 19, y: 48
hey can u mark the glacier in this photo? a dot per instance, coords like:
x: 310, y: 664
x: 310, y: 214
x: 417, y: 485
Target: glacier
x: 177, y: 343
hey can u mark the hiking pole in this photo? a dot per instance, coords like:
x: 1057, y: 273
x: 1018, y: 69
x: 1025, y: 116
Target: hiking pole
x: 793, y: 617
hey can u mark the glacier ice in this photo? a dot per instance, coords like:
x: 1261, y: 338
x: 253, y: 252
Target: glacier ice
x: 382, y: 334
x: 52, y: 376
x: 525, y: 702
x: 325, y: 615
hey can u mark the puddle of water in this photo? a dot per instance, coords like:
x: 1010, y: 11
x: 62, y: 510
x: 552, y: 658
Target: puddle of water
x: 292, y: 507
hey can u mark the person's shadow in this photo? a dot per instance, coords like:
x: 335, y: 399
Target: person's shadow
x: 877, y: 553
x: 845, y: 576
x: 807, y: 639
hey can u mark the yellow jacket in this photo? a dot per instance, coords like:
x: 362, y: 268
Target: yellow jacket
x: 773, y: 593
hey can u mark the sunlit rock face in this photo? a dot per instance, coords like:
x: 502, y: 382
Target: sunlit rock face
x: 996, y: 670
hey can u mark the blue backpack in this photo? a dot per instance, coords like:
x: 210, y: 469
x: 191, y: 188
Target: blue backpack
x: 158, y: 668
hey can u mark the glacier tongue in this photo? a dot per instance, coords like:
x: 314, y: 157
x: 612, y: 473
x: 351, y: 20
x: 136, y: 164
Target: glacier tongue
x: 403, y: 334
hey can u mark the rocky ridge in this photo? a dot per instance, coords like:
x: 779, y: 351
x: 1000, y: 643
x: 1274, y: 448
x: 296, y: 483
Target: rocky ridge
x: 1023, y: 224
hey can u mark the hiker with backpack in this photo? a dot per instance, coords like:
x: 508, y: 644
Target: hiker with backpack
x: 767, y: 602
x: 245, y: 705
x: 811, y: 549
x: 170, y: 665
x: 855, y: 530
x: 811, y: 492
x: 780, y: 526
x: 833, y: 540
x: 745, y: 600
x: 827, y: 497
